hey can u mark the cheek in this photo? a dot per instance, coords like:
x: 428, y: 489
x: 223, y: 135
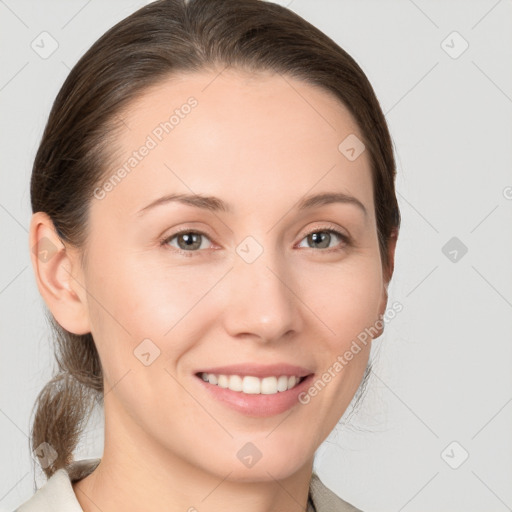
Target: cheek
x: 138, y: 299
x: 345, y: 297
x: 145, y: 296
x: 174, y: 303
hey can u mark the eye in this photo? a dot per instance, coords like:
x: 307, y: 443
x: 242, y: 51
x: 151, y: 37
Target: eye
x: 322, y: 238
x: 188, y: 241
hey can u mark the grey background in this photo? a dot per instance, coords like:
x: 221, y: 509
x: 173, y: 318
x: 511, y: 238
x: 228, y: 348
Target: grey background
x: 442, y: 370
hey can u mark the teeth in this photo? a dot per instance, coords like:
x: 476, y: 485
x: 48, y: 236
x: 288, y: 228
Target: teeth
x: 252, y: 385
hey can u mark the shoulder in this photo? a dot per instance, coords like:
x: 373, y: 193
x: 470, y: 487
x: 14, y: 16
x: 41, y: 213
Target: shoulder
x: 324, y: 500
x: 57, y: 494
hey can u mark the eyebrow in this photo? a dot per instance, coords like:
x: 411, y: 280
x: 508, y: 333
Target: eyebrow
x: 215, y: 204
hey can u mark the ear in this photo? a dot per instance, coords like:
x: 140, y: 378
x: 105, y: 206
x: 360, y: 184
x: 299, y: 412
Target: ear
x: 388, y: 274
x: 58, y: 275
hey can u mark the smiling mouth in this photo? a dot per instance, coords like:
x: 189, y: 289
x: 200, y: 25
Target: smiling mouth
x: 249, y: 384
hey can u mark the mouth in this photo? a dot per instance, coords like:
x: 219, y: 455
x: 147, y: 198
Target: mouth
x: 251, y: 384
x: 255, y: 396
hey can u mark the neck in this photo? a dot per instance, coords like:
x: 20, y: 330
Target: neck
x: 135, y: 474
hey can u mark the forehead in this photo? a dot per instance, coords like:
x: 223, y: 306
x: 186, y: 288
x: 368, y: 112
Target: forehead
x: 237, y: 135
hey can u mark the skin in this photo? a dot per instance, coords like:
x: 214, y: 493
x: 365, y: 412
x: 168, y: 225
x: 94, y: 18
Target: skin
x: 260, y: 145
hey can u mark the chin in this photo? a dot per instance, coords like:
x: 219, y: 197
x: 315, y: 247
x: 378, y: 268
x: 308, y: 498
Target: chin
x: 266, y: 469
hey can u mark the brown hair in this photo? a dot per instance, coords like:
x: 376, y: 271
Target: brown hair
x: 140, y: 51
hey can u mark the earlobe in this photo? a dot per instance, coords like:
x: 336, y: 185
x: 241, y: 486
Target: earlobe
x: 58, y: 275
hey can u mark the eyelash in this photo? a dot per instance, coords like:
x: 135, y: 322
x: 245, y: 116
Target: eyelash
x: 346, y: 240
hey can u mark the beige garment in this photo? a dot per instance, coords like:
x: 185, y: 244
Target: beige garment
x: 57, y: 494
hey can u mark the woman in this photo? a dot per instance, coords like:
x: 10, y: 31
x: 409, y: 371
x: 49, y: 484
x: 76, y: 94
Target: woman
x: 214, y: 228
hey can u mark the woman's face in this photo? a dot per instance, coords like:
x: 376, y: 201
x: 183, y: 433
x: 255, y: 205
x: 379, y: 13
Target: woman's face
x: 243, y: 284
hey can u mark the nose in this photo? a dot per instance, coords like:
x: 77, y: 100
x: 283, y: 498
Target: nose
x: 261, y: 300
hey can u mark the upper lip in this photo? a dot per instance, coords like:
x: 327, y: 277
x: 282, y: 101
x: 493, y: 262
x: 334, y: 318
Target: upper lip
x: 258, y: 370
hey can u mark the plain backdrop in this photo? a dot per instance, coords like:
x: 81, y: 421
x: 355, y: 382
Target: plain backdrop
x: 434, y: 431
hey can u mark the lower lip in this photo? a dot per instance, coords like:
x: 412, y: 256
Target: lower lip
x: 258, y: 405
